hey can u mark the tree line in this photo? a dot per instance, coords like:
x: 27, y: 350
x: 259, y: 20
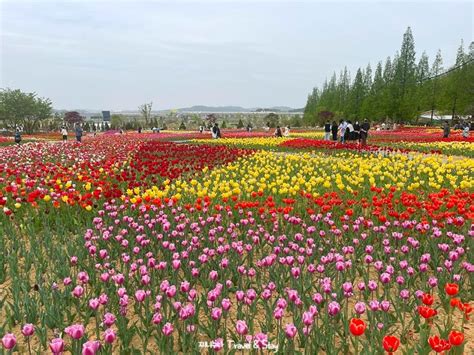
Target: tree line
x: 398, y: 90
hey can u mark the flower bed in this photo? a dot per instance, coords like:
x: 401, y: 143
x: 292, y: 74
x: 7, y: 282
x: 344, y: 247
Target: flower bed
x: 125, y: 243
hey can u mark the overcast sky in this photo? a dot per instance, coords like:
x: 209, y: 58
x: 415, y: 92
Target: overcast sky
x: 119, y: 54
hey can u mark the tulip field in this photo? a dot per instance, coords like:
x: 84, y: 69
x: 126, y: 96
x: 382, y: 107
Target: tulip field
x: 178, y: 243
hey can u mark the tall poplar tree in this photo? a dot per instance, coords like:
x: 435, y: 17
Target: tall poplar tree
x: 436, y: 69
x: 405, y: 78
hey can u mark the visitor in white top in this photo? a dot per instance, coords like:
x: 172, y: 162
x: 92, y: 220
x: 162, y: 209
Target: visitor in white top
x: 286, y: 132
x: 342, y: 129
x: 465, y: 131
x: 64, y: 133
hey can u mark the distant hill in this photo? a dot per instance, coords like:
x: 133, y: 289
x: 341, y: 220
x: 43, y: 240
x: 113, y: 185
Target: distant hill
x: 196, y: 108
x: 202, y: 108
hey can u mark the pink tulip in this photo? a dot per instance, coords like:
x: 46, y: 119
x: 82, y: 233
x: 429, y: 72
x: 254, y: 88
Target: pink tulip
x: 140, y: 295
x: 290, y: 330
x: 185, y: 286
x: 239, y: 295
x: 218, y: 344
x: 171, y: 291
x: 91, y: 347
x: 167, y: 329
x: 28, y: 330
x: 307, y: 318
x: 9, y: 341
x: 333, y: 308
x: 78, y: 291
x: 157, y: 317
x: 94, y: 303
x: 213, y: 275
x: 103, y: 299
x: 83, y: 277
x: 57, y: 346
x: 104, y: 277
x: 359, y: 307
x: 404, y: 294
x: 241, y: 327
x: 260, y: 340
x: 109, y: 336
x: 385, y: 306
x: 109, y: 319
x: 216, y: 313
x: 226, y: 304
x: 278, y: 313
x: 75, y: 331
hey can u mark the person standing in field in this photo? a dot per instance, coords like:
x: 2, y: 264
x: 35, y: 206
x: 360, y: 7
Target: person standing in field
x: 327, y: 131
x: 278, y: 132
x: 357, y: 131
x: 64, y: 133
x: 465, y: 131
x: 364, y: 132
x: 446, y: 130
x: 17, y: 136
x: 78, y: 132
x: 342, y: 130
x: 349, y: 131
x: 334, y: 130
x: 216, y: 132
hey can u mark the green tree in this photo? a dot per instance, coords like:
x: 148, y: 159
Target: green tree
x: 273, y: 119
x: 422, y: 76
x: 344, y: 87
x: 366, y: 106
x: 310, y: 110
x: 145, y: 110
x: 116, y: 121
x: 436, y: 69
x: 240, y: 124
x: 400, y: 89
x: 357, y: 94
x: 182, y: 126
x: 405, y: 81
x: 295, y: 121
x: 224, y: 124
x: 375, y: 102
x: 20, y: 109
x: 457, y: 84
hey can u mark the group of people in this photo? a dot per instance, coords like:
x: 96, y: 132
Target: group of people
x: 77, y: 129
x: 215, y: 131
x: 279, y: 133
x: 346, y: 131
x: 465, y: 127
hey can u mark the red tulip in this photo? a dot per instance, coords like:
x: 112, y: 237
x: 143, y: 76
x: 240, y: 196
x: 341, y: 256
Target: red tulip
x: 456, y: 338
x: 357, y: 327
x: 427, y: 299
x: 438, y: 345
x: 466, y: 308
x: 451, y: 289
x: 455, y: 302
x: 427, y: 312
x: 390, y: 343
